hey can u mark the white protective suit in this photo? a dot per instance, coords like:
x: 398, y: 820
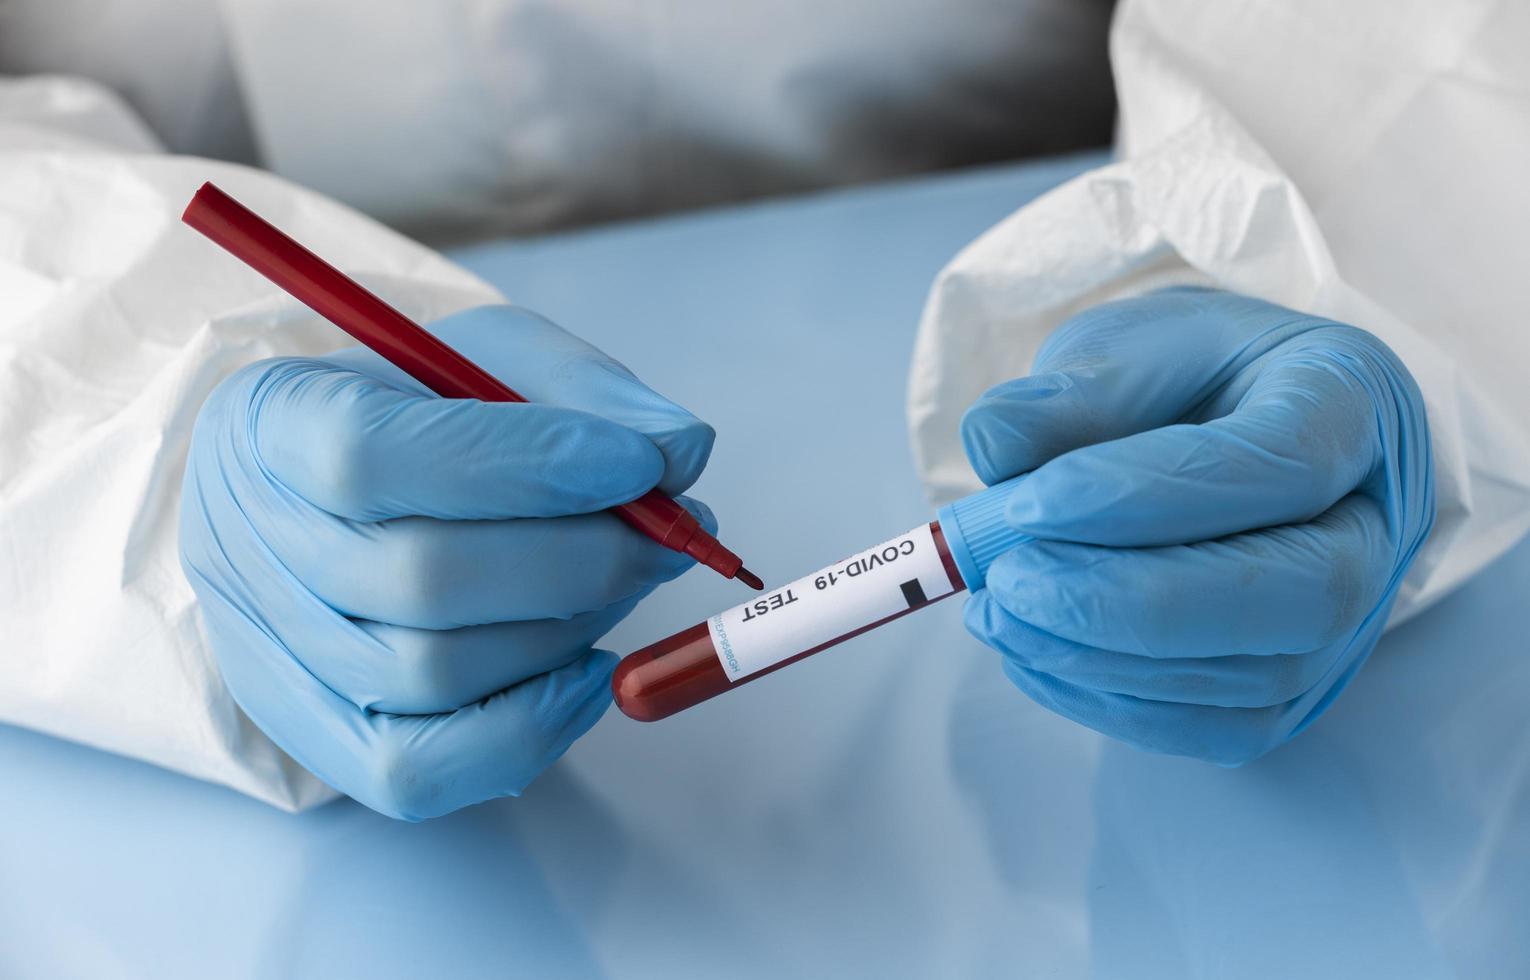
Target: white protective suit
x: 1378, y: 183
x: 1365, y: 161
x: 115, y: 324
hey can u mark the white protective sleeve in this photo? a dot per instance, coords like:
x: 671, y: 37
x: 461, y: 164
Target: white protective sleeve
x: 115, y: 322
x: 1367, y: 161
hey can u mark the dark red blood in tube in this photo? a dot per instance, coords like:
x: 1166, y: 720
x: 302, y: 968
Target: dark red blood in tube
x: 683, y: 670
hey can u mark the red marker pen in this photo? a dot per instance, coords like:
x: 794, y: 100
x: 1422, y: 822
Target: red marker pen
x: 931, y: 562
x: 418, y: 353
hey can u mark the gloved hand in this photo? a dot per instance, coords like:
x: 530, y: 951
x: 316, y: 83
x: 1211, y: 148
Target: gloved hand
x: 402, y: 590
x: 1225, y: 497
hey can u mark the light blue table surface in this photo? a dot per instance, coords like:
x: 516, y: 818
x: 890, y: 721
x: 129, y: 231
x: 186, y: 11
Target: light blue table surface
x: 890, y: 809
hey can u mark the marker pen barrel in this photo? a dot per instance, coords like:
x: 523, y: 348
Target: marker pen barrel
x: 930, y: 562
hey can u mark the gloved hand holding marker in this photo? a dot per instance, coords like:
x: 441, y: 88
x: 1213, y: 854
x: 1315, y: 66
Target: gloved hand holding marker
x: 1202, y: 507
x: 403, y: 590
x: 422, y: 356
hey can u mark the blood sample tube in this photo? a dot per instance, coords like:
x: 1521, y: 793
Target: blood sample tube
x: 878, y: 585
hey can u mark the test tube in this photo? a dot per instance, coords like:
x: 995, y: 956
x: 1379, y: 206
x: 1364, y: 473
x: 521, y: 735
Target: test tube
x: 933, y: 561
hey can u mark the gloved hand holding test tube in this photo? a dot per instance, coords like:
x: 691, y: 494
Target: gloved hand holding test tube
x: 1201, y: 509
x: 405, y: 591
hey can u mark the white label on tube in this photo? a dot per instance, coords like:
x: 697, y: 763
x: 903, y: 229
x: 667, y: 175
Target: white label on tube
x: 866, y: 588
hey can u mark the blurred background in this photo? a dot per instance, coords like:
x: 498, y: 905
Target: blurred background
x: 465, y: 119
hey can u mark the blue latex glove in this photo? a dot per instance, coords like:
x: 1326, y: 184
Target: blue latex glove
x: 1225, y: 498
x: 403, y: 590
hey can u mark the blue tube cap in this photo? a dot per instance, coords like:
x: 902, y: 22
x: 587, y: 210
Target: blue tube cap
x: 976, y: 533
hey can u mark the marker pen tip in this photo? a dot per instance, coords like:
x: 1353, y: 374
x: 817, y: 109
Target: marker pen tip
x: 750, y: 579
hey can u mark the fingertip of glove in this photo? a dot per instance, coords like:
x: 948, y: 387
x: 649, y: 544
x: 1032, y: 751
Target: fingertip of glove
x: 701, y: 512
x: 1026, y: 510
x: 683, y: 441
x: 982, y: 617
x: 601, y: 664
x: 999, y: 431
x: 575, y: 698
x: 1061, y: 496
x: 1025, y: 582
x: 598, y: 666
x: 1004, y: 575
x: 620, y: 463
x: 686, y: 447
